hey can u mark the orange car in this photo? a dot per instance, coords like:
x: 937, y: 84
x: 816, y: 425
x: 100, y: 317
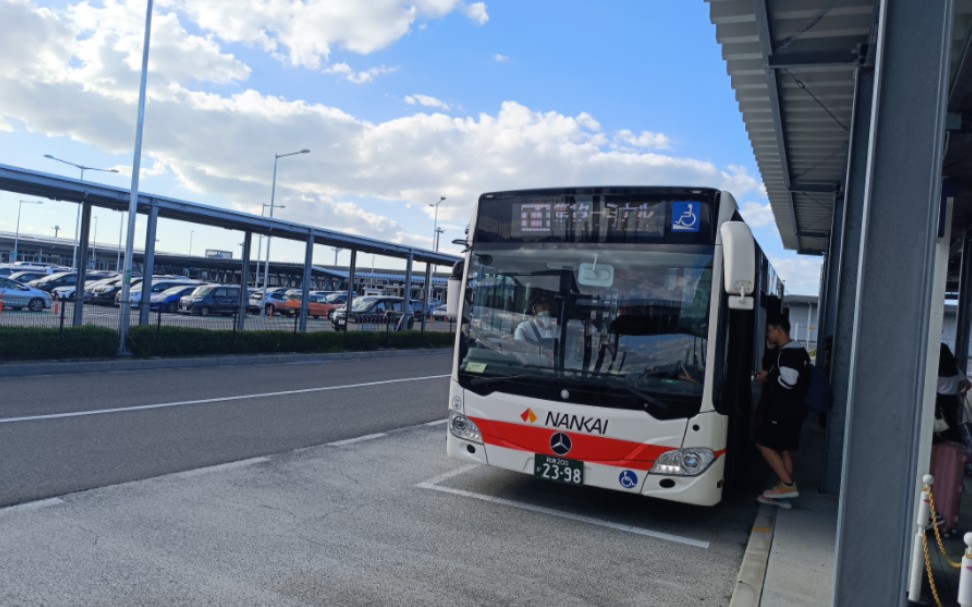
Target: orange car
x: 315, y: 306
x: 333, y: 301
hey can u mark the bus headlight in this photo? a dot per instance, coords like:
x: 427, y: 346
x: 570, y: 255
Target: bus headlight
x: 464, y: 428
x: 684, y: 462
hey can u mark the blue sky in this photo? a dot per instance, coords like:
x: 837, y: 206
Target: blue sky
x: 400, y: 102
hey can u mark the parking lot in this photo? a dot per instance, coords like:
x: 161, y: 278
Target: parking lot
x: 107, y: 316
x: 316, y: 484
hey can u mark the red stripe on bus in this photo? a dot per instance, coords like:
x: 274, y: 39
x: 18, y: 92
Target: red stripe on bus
x: 584, y: 447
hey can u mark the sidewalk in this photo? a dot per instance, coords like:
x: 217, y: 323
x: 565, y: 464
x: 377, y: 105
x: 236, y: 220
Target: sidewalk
x: 789, y: 560
x: 790, y: 557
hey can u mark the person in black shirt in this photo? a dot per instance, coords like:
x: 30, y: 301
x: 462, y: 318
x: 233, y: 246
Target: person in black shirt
x: 785, y: 384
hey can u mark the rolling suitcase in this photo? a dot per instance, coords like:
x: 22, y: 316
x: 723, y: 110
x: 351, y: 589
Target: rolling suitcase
x: 948, y: 468
x: 965, y: 429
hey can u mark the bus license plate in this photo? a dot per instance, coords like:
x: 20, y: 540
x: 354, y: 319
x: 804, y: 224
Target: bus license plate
x: 558, y: 469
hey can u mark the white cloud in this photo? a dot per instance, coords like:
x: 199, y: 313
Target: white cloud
x: 646, y: 139
x: 800, y: 273
x: 344, y: 70
x: 304, y: 33
x: 477, y: 12
x: 108, y: 46
x: 501, y: 58
x: 757, y: 215
x: 426, y: 101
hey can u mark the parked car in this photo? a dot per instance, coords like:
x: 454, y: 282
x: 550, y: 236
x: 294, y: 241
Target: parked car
x: 168, y: 300
x: 418, y: 309
x: 16, y: 296
x: 6, y: 269
x: 104, y: 292
x: 68, y: 278
x: 211, y: 299
x: 442, y: 313
x: 158, y: 285
x: 315, y: 304
x: 370, y: 310
x: 271, y: 302
x: 67, y: 292
x: 333, y: 301
x: 25, y: 276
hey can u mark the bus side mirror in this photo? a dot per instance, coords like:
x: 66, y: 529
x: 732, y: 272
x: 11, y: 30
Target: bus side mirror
x: 454, y: 291
x: 739, y: 257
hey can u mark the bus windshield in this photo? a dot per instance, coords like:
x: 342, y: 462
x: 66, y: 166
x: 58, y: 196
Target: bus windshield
x: 610, y: 324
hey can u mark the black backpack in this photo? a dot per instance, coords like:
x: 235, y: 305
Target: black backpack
x: 820, y: 396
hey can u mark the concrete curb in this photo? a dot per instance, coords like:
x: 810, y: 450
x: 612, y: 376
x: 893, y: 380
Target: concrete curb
x: 752, y: 572
x: 101, y: 366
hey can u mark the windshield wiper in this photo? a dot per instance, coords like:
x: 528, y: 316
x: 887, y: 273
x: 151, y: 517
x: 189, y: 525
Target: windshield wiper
x: 481, y: 381
x: 648, y: 398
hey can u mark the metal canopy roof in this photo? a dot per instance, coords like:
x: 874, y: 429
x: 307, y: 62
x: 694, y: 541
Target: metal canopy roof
x: 791, y: 63
x: 64, y: 188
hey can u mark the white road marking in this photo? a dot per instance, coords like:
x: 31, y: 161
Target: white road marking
x: 349, y: 441
x: 53, y: 501
x: 221, y: 399
x: 448, y: 475
x: 437, y: 422
x: 221, y: 467
x: 678, y: 539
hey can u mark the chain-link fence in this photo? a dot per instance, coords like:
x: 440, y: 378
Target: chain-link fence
x: 54, y: 332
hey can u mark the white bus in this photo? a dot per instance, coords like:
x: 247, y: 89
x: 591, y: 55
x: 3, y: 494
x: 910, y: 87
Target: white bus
x: 641, y: 380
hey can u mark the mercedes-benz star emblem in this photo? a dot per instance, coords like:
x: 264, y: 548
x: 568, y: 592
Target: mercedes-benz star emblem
x: 560, y: 443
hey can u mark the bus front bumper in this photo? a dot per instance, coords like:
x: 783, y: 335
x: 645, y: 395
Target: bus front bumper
x: 704, y: 489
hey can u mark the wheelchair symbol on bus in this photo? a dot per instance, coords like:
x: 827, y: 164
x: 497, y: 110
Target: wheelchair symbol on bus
x: 628, y: 479
x: 684, y: 217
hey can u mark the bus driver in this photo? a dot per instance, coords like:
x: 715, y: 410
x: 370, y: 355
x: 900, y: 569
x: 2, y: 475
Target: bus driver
x: 540, y: 326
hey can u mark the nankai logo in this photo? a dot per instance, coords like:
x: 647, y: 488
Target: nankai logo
x: 591, y: 425
x: 529, y: 416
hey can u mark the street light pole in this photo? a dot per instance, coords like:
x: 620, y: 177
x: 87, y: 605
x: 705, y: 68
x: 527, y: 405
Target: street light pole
x: 191, y: 232
x: 273, y: 193
x: 17, y: 234
x: 263, y: 213
x: 435, y: 222
x: 77, y: 219
x: 121, y: 221
x: 94, y: 246
x: 435, y: 244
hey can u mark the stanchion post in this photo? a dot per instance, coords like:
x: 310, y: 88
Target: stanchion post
x: 965, y: 574
x: 918, y: 550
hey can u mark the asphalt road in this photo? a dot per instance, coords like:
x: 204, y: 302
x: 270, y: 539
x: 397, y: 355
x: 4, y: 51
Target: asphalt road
x: 263, y: 409
x: 314, y: 484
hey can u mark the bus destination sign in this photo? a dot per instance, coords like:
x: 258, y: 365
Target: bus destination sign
x: 613, y: 220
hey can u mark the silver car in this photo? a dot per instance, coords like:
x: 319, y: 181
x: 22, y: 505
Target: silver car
x: 15, y: 296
